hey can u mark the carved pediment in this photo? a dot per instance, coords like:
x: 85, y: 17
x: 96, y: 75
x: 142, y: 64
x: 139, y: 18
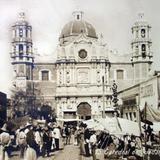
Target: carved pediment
x: 82, y: 39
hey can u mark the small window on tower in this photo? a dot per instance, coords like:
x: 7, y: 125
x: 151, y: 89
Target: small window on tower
x: 21, y: 56
x: 143, y: 32
x: 137, y: 49
x: 45, y: 75
x: 143, y: 47
x: 21, y: 32
x: 136, y: 34
x: 28, y: 50
x: 120, y: 74
x: 77, y: 17
x: 20, y: 48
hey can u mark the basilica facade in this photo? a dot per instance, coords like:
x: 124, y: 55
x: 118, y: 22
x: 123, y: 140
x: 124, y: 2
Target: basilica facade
x: 78, y: 83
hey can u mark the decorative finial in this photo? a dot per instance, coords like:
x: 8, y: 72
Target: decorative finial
x: 22, y: 16
x: 141, y: 15
x: 78, y: 15
x: 101, y: 39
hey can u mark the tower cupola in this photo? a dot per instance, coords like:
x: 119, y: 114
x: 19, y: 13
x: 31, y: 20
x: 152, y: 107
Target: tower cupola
x: 142, y: 56
x: 21, y: 54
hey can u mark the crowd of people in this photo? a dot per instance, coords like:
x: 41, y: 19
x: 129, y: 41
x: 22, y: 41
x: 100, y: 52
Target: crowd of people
x: 102, y: 144
x: 33, y: 140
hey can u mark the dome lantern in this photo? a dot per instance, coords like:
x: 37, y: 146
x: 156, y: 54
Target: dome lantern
x: 78, y: 15
x: 21, y: 16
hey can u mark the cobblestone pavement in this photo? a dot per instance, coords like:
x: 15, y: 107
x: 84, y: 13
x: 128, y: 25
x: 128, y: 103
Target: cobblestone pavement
x: 70, y: 152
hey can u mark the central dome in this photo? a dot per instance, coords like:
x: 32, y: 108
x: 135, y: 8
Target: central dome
x: 78, y: 26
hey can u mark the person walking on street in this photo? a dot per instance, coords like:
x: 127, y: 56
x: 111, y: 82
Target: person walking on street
x: 21, y: 138
x: 86, y: 140
x: 46, y: 148
x: 57, y: 135
x: 93, y: 141
x: 68, y: 134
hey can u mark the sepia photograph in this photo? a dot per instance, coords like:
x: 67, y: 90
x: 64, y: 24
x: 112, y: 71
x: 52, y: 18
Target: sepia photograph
x: 80, y: 80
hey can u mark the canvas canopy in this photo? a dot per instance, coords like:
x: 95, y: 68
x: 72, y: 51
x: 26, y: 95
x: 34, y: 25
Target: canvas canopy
x: 150, y: 114
x: 115, y: 126
x: 68, y: 120
x: 120, y: 126
x: 94, y: 124
x: 111, y: 125
x: 129, y: 127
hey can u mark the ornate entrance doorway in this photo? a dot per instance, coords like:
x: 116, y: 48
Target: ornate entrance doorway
x: 84, y: 111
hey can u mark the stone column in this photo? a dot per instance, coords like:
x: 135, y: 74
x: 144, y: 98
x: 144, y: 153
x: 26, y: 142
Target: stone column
x: 13, y: 33
x: 17, y: 32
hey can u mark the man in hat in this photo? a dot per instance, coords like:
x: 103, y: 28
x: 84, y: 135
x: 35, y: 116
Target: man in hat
x: 93, y: 141
x: 46, y: 148
x: 67, y: 130
x: 57, y: 135
x: 86, y: 140
x: 30, y: 139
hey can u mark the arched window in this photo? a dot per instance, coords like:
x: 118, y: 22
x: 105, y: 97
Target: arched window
x: 21, y: 48
x: 21, y: 51
x: 77, y: 17
x: 143, y: 33
x: 120, y: 74
x: 20, y: 32
x: 143, y: 48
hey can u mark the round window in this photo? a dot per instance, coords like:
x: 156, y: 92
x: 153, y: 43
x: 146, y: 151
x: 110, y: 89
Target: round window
x: 82, y: 53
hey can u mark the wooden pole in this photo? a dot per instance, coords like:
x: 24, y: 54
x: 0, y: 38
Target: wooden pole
x: 145, y: 127
x: 103, y: 114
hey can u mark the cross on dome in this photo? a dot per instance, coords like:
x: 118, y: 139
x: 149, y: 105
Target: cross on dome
x: 141, y: 15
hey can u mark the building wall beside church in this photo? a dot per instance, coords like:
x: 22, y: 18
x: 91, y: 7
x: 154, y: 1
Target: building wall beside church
x: 128, y: 75
x: 45, y: 89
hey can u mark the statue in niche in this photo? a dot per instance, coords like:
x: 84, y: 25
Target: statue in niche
x: 98, y: 76
x: 60, y: 77
x: 68, y: 77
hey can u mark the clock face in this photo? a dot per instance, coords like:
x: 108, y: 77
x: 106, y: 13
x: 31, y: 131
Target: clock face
x: 82, y: 53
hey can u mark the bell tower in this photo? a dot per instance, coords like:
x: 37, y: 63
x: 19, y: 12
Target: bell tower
x: 21, y: 54
x: 142, y: 57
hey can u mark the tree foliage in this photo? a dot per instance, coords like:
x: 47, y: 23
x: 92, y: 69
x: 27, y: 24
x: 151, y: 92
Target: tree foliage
x: 19, y: 101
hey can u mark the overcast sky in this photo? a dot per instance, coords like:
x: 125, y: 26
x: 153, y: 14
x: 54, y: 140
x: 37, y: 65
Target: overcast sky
x: 112, y: 18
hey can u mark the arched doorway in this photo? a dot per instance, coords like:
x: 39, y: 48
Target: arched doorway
x: 84, y: 111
